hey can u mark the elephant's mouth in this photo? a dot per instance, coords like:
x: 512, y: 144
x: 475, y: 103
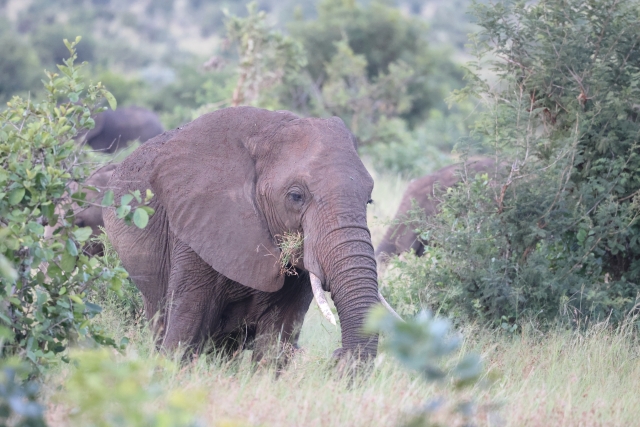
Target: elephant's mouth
x: 323, y: 304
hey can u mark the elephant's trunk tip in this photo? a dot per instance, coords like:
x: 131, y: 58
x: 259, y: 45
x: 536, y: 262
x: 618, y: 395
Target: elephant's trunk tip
x: 321, y: 300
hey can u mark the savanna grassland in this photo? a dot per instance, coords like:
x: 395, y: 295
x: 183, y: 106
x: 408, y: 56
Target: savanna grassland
x: 537, y: 265
x: 558, y: 378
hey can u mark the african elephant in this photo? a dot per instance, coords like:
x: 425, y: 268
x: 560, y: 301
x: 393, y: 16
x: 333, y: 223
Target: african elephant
x: 114, y: 129
x: 226, y: 186
x: 400, y: 237
x: 89, y: 215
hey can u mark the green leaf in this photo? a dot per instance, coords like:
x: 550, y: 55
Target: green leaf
x: 123, y: 211
x: 110, y: 99
x: 149, y: 210
x: 6, y: 270
x: 71, y: 248
x: 126, y: 199
x: 93, y: 308
x: 582, y: 234
x: 35, y: 228
x: 68, y: 262
x: 82, y: 234
x: 107, y: 200
x: 53, y: 271
x: 48, y: 211
x: 140, y: 218
x: 16, y: 196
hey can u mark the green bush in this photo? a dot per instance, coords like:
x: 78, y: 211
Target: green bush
x: 554, y: 237
x: 421, y: 343
x: 102, y: 392
x: 18, y: 397
x: 44, y: 301
x: 125, y: 300
x: 417, y: 152
x: 128, y: 91
x: 191, y: 89
x: 383, y: 36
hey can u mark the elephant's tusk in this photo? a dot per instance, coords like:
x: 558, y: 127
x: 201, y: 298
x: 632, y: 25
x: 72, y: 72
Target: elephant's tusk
x: 388, y: 307
x: 321, y: 300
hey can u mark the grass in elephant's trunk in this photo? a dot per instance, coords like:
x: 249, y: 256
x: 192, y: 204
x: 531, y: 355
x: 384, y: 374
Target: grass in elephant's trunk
x: 291, y: 244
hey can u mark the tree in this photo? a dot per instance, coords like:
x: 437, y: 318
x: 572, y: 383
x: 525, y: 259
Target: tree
x: 363, y: 104
x: 265, y: 56
x: 383, y: 36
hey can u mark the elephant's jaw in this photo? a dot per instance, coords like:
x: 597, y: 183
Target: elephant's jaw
x: 321, y: 300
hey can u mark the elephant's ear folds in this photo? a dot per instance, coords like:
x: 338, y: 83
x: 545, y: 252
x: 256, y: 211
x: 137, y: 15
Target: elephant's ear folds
x: 205, y: 179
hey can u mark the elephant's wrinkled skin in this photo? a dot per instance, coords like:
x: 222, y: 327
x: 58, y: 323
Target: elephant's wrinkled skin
x: 115, y: 129
x: 400, y: 237
x: 225, y: 186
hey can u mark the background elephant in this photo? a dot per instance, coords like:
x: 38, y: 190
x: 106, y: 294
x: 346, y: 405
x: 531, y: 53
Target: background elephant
x: 401, y: 237
x: 226, y: 186
x: 114, y: 129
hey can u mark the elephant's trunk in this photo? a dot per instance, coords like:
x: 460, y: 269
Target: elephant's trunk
x: 345, y: 255
x: 353, y: 284
x: 318, y: 294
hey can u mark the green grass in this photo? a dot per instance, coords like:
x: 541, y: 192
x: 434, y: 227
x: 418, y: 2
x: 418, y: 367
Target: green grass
x: 558, y: 378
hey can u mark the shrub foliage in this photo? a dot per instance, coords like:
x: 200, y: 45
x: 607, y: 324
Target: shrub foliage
x: 46, y: 280
x: 554, y: 235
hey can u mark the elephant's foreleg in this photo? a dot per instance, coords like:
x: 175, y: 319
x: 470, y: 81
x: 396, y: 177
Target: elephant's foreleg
x: 191, y: 306
x: 279, y: 326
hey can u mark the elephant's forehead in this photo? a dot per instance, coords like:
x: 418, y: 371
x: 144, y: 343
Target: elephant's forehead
x: 318, y: 133
x: 317, y: 154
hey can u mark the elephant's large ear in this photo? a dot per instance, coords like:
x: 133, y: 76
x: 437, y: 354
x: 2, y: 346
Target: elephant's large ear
x: 205, y: 179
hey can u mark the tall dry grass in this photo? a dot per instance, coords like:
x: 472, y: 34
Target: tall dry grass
x: 560, y: 378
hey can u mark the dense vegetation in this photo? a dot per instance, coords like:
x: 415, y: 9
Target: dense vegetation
x: 548, y: 239
x: 554, y: 238
x: 369, y: 63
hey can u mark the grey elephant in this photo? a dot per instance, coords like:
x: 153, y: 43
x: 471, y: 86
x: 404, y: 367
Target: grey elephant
x: 226, y: 186
x: 115, y: 129
x: 401, y: 237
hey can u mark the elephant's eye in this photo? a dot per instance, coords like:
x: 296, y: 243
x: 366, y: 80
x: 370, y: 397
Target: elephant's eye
x: 296, y: 197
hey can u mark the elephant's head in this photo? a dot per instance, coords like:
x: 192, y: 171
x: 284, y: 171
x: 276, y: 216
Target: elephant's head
x: 234, y: 180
